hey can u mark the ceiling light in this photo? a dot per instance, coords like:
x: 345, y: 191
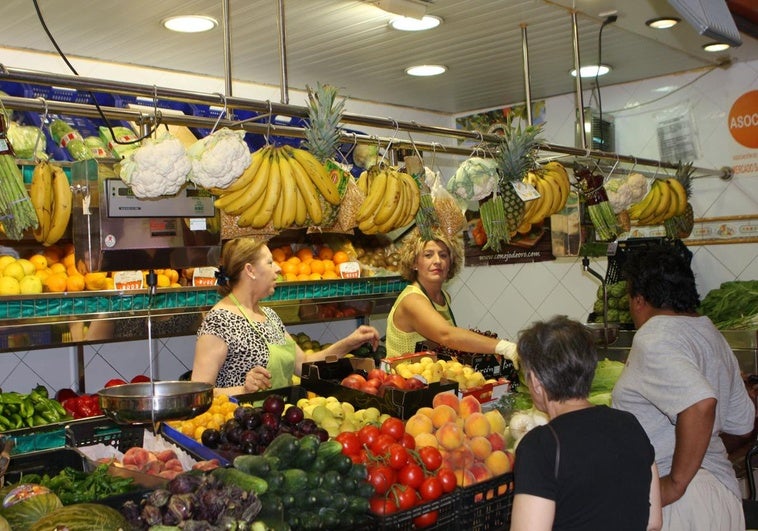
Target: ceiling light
x: 414, y: 24
x: 663, y: 22
x: 425, y: 70
x: 592, y: 70
x: 190, y: 23
x: 715, y: 47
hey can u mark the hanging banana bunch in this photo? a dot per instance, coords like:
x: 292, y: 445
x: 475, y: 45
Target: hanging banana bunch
x: 52, y: 199
x: 392, y: 200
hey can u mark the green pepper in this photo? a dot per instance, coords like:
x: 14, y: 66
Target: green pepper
x: 47, y: 411
x: 5, y: 423
x: 41, y: 390
x: 17, y: 421
x: 38, y: 420
x: 58, y: 407
x: 11, y: 397
x: 26, y: 408
x: 12, y: 408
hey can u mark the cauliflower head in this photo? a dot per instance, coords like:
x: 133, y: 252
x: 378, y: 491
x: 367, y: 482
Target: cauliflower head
x: 474, y: 179
x: 158, y: 167
x: 219, y: 159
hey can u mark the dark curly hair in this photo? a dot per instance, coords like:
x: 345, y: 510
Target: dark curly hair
x: 663, y: 276
x: 562, y: 355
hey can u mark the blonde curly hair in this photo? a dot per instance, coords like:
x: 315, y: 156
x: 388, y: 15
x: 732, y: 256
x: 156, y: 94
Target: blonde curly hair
x: 413, y: 245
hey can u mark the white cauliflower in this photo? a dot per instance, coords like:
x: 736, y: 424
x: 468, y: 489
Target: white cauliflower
x: 625, y: 191
x: 156, y: 168
x: 474, y: 179
x: 219, y: 158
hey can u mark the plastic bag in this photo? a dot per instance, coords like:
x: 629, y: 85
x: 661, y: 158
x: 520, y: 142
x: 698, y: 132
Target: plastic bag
x: 450, y: 215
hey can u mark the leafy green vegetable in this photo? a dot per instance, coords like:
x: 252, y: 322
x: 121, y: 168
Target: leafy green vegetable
x: 606, y: 375
x: 75, y: 486
x: 734, y: 305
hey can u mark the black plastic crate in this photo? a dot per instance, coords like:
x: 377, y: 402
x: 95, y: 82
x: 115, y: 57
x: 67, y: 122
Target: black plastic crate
x: 291, y: 395
x: 447, y: 516
x: 49, y: 462
x: 619, y: 251
x: 486, y: 505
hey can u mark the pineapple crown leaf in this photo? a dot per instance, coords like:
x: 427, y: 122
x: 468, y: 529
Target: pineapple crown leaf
x: 684, y: 171
x: 516, y: 152
x: 322, y: 134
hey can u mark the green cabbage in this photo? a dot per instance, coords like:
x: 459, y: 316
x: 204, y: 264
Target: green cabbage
x: 606, y: 375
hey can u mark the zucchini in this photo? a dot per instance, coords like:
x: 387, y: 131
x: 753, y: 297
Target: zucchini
x: 232, y: 476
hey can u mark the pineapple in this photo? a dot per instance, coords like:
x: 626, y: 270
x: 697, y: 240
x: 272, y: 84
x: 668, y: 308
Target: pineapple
x: 681, y: 226
x: 516, y: 156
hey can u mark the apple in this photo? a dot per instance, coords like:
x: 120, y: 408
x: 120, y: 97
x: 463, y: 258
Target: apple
x: 353, y: 381
x: 377, y: 374
x: 396, y: 381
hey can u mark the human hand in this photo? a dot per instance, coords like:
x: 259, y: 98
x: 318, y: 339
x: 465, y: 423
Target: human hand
x: 507, y: 349
x: 364, y: 334
x: 257, y: 379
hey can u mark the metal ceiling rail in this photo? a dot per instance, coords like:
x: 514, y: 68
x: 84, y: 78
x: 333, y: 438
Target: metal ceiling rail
x: 269, y: 108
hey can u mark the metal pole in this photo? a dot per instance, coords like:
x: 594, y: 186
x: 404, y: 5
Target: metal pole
x: 284, y: 88
x: 578, y: 82
x: 527, y: 76
x: 227, y: 48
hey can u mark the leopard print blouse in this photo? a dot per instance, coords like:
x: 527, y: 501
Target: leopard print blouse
x: 247, y: 345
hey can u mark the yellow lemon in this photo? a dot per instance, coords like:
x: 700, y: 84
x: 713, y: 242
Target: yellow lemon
x: 28, y: 266
x: 5, y: 260
x: 9, y: 286
x: 15, y: 270
x: 30, y: 284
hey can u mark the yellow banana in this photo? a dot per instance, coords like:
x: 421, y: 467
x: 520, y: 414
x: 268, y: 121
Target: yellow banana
x: 307, y: 191
x: 561, y: 177
x: 301, y: 211
x: 681, y: 195
x: 673, y: 204
x: 41, y: 195
x: 651, y: 202
x: 560, y: 182
x: 665, y: 201
x: 396, y: 215
x: 256, y: 160
x: 555, y: 194
x: 289, y: 189
x: 367, y: 226
x: 545, y: 200
x: 414, y: 197
x: 390, y: 199
x: 62, y: 205
x: 318, y: 174
x: 362, y: 182
x: 238, y: 201
x: 377, y: 185
x: 263, y: 216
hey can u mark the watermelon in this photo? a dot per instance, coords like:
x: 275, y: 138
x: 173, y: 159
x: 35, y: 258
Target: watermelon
x: 26, y: 504
x: 82, y: 517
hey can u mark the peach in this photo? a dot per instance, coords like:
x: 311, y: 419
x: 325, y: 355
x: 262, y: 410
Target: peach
x: 450, y: 436
x: 497, y: 441
x: 442, y: 414
x: 496, y: 420
x: 480, y: 472
x: 476, y: 425
x: 419, y: 424
x: 480, y: 447
x: 461, y: 457
x: 469, y: 404
x: 498, y: 462
x: 425, y: 439
x: 451, y: 399
x: 465, y: 477
x: 426, y: 410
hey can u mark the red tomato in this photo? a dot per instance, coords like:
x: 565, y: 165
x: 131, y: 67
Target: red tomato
x: 353, y: 381
x: 408, y: 441
x: 398, y: 456
x: 394, y: 427
x: 431, y: 488
x: 370, y: 387
x: 65, y: 394
x: 71, y: 405
x: 114, y: 381
x: 382, y: 506
x: 406, y: 496
x: 396, y: 381
x: 447, y: 479
x: 368, y: 434
x: 430, y: 457
x: 411, y: 475
x: 140, y: 378
x: 426, y: 519
x: 351, y: 444
x: 377, y: 374
x: 382, y: 444
x: 381, y: 477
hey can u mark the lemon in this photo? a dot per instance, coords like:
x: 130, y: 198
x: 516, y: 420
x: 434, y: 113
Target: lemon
x: 30, y: 284
x: 9, y: 286
x: 27, y: 265
x: 15, y: 270
x: 5, y: 260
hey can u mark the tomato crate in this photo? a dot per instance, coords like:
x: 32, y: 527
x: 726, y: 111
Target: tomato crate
x: 486, y: 505
x: 446, y: 507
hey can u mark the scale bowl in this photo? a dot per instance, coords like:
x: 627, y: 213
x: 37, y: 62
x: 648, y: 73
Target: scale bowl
x: 604, y: 334
x: 173, y: 400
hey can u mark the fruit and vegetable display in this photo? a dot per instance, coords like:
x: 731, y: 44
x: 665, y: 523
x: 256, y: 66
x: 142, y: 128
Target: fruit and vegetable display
x: 15, y: 206
x: 336, y: 417
x: 618, y: 304
x: 435, y: 371
x: 20, y: 410
x: 733, y: 305
x: 221, y: 411
x: 52, y: 199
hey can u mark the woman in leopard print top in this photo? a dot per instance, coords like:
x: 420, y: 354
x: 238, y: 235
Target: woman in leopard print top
x: 242, y: 346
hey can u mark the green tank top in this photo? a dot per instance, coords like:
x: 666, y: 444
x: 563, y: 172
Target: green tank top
x: 399, y: 342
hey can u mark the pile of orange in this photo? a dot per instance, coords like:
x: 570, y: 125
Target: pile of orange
x: 307, y: 265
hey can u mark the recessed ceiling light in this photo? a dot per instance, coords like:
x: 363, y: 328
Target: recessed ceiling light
x: 592, y: 70
x: 415, y: 24
x: 190, y: 23
x: 715, y: 47
x: 663, y: 22
x: 425, y: 70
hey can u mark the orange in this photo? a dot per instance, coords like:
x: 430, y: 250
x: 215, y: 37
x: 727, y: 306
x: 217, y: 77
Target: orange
x: 329, y: 265
x: 305, y: 254
x: 317, y: 266
x: 75, y: 283
x: 58, y: 267
x: 315, y: 276
x: 304, y: 268
x: 173, y: 275
x: 340, y: 257
x: 290, y: 277
x: 56, y: 282
x: 69, y: 260
x: 43, y: 274
x: 288, y: 268
x: 278, y: 254
x: 163, y: 281
x: 294, y: 260
x: 39, y: 261
x: 72, y: 270
x: 325, y: 253
x: 303, y: 276
x: 330, y: 275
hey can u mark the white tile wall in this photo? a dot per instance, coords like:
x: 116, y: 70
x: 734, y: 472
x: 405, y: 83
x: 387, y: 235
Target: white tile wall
x: 504, y: 298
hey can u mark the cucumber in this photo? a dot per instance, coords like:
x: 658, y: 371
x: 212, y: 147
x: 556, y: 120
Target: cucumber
x: 256, y: 465
x: 295, y: 480
x: 232, y: 476
x: 284, y: 447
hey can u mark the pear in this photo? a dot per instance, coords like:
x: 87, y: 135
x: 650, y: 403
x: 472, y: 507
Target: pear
x: 320, y: 414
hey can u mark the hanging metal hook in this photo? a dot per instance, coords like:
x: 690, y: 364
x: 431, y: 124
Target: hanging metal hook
x: 267, y: 136
x: 43, y: 123
x: 223, y: 112
x: 346, y: 156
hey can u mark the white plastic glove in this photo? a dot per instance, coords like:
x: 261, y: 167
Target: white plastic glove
x: 507, y: 349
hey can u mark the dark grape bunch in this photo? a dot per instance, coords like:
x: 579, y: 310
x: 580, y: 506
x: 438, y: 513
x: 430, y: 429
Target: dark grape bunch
x: 253, y: 428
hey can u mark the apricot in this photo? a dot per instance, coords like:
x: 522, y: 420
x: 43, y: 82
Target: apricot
x: 464, y: 477
x: 498, y: 463
x: 450, y: 399
x: 480, y: 447
x: 426, y: 410
x: 418, y: 424
x: 443, y: 414
x: 480, y: 472
x: 450, y: 436
x: 425, y: 439
x: 476, y: 425
x: 468, y: 405
x: 496, y: 420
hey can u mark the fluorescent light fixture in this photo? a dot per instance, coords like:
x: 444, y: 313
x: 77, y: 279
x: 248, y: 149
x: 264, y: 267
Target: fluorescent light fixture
x: 663, y: 22
x: 592, y: 70
x: 405, y: 8
x: 716, y: 47
x: 414, y: 24
x: 425, y: 70
x: 190, y: 23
